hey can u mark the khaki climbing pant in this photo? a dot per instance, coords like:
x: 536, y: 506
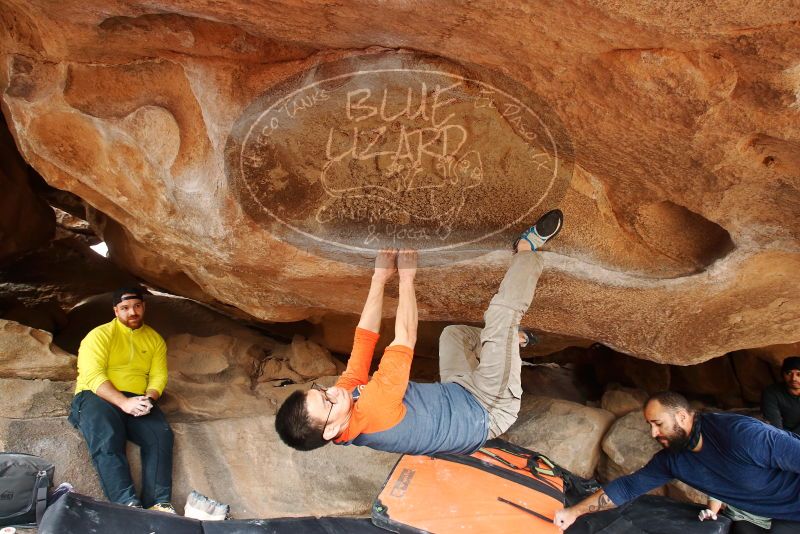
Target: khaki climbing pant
x: 486, y: 362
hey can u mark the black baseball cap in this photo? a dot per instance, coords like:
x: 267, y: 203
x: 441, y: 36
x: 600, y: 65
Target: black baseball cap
x: 127, y: 293
x: 792, y: 363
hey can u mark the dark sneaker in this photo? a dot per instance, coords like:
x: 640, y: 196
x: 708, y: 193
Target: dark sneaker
x: 545, y: 229
x: 165, y: 507
x: 133, y: 504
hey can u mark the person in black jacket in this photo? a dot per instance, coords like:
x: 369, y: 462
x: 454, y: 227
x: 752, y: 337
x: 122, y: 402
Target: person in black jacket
x: 780, y: 403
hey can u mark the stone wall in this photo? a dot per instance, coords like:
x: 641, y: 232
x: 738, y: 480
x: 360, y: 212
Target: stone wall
x: 669, y: 141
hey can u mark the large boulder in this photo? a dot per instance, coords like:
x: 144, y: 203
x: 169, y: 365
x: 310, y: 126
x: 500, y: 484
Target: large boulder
x: 628, y: 443
x: 566, y: 432
x: 35, y: 398
x: 26, y: 352
x: 255, y: 162
x: 309, y: 360
x: 621, y: 401
x: 242, y: 462
x: 55, y: 440
x: 214, y: 377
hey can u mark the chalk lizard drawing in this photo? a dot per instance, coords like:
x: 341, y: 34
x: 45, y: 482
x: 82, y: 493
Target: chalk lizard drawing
x: 413, y: 194
x: 422, y: 174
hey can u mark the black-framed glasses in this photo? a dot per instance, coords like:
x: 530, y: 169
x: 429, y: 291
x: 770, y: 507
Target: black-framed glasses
x: 324, y: 391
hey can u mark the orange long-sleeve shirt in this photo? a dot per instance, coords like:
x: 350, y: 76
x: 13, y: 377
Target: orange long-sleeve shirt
x: 380, y: 404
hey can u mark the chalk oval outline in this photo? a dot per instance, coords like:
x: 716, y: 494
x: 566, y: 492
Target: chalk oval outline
x: 450, y: 75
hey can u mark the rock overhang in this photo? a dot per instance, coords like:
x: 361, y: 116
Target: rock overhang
x: 680, y: 190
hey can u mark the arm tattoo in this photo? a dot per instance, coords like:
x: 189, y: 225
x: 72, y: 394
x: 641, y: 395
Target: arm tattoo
x: 603, y: 503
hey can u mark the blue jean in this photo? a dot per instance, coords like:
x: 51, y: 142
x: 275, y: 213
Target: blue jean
x: 106, y: 430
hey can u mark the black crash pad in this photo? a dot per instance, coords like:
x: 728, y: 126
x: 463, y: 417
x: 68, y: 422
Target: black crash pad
x: 77, y: 514
x: 293, y: 525
x: 650, y: 514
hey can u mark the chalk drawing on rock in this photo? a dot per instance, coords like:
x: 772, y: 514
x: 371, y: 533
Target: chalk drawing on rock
x: 397, y: 150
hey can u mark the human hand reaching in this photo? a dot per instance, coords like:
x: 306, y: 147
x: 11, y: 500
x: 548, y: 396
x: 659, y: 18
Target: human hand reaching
x: 564, y: 518
x: 712, y: 510
x: 707, y: 514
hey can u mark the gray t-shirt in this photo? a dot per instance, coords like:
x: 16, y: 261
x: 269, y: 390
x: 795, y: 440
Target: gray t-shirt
x: 440, y: 418
x: 781, y: 408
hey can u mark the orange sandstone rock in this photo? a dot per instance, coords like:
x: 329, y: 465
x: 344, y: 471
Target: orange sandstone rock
x: 668, y: 135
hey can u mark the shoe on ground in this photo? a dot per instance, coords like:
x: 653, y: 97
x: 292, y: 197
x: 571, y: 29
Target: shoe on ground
x: 165, y: 507
x: 545, y: 229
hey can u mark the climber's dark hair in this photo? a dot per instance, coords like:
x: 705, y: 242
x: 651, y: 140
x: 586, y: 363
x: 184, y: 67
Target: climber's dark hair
x: 294, y: 424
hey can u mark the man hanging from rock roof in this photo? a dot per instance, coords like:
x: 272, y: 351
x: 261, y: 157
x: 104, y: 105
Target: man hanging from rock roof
x: 479, y: 396
x: 122, y: 371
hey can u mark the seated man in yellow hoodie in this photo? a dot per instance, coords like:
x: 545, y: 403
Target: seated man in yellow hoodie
x: 122, y: 371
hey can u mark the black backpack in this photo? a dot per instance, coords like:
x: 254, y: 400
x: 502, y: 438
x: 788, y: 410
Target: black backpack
x: 24, y: 481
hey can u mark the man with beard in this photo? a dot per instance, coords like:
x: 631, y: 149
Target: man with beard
x: 780, y: 403
x: 750, y: 466
x: 122, y: 371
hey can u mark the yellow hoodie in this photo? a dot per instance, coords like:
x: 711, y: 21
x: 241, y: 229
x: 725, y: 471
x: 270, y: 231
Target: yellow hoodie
x: 133, y: 360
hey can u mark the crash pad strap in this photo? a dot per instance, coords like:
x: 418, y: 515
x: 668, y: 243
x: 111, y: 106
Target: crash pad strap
x: 529, y: 482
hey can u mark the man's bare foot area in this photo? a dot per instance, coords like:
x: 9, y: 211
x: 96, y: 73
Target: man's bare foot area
x: 407, y: 263
x: 385, y: 265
